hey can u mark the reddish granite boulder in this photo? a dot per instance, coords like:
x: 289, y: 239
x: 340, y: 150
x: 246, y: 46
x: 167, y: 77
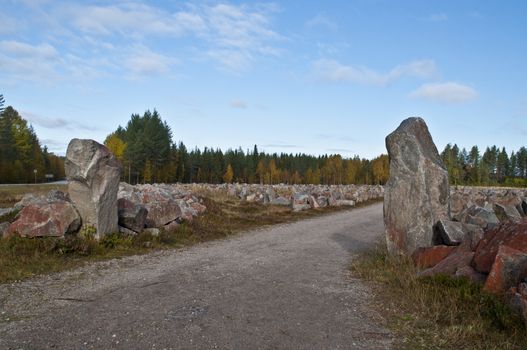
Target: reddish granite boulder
x: 46, y: 218
x: 431, y: 256
x: 458, y: 259
x: 508, y: 269
x: 510, y: 234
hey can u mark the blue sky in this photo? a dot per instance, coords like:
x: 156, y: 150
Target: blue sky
x: 293, y: 76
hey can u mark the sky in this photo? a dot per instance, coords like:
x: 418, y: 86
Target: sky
x: 316, y: 77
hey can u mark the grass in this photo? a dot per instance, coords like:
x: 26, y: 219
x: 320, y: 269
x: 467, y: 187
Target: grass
x: 22, y: 258
x: 438, y: 312
x: 10, y: 194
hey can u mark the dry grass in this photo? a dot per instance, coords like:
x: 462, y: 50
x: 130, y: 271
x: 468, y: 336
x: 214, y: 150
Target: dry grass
x: 10, y: 194
x: 21, y: 258
x: 437, y: 312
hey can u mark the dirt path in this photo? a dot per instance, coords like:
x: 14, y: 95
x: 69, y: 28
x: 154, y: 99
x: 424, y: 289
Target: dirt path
x: 284, y: 287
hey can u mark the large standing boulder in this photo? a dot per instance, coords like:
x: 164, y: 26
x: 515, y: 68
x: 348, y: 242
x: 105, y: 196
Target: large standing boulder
x: 417, y: 192
x: 93, y: 174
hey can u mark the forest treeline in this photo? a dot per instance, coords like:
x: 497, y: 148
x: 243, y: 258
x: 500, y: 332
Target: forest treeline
x: 148, y: 154
x: 494, y: 167
x: 22, y: 158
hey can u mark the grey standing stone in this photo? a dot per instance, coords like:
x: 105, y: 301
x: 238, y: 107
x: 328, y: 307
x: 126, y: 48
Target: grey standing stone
x: 93, y: 174
x: 417, y: 192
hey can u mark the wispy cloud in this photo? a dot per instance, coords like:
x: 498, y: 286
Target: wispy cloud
x: 339, y: 150
x: 280, y: 145
x: 328, y: 70
x: 56, y: 123
x: 131, y: 19
x: 29, y: 62
x: 142, y: 61
x: 447, y: 92
x: 343, y: 138
x: 321, y: 20
x: 437, y: 17
x: 124, y: 37
x: 238, y: 104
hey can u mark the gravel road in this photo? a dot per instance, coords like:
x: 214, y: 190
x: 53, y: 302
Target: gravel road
x: 281, y: 287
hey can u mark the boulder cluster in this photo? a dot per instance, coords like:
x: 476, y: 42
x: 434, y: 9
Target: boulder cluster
x: 473, y: 232
x: 97, y: 202
x: 298, y: 197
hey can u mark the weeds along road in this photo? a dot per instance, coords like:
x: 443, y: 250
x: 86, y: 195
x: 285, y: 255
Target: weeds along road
x: 282, y: 287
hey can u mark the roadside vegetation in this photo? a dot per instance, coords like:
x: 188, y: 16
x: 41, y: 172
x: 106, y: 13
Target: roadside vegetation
x: 21, y: 258
x: 438, y: 312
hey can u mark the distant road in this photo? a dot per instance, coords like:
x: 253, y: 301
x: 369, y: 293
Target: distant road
x: 61, y: 182
x: 281, y: 287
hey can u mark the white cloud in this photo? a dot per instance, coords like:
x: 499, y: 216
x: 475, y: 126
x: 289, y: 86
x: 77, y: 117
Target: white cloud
x: 238, y: 104
x: 333, y: 71
x: 102, y: 39
x: 20, y: 49
x: 55, y: 123
x: 437, y: 17
x: 142, y: 61
x: 29, y: 62
x: 447, y: 92
x: 320, y: 20
x: 128, y: 19
x: 234, y: 33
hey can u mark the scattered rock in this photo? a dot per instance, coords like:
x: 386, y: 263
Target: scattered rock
x: 281, y: 201
x: 127, y: 231
x: 161, y: 205
x: 418, y: 179
x: 46, y: 218
x: 427, y: 257
x: 508, y: 269
x: 152, y: 231
x: 3, y: 228
x: 26, y: 200
x: 510, y: 234
x: 344, y: 202
x: 313, y: 202
x: 171, y: 226
x: 131, y: 215
x: 300, y: 201
x: 448, y: 232
x: 507, y: 213
x: 7, y: 211
x: 473, y: 235
x: 458, y: 259
x: 469, y: 272
x: 93, y: 174
x: 484, y: 218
